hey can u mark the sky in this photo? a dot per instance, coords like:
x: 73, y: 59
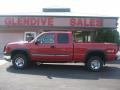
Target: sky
x: 83, y: 7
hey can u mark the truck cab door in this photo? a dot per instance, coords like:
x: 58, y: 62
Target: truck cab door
x: 44, y: 49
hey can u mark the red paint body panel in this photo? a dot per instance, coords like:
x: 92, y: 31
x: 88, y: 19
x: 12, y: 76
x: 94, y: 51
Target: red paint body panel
x: 67, y: 52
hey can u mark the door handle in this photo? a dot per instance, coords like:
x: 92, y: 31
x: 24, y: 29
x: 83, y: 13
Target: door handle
x: 52, y: 46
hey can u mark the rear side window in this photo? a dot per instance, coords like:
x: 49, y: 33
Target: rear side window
x: 62, y: 38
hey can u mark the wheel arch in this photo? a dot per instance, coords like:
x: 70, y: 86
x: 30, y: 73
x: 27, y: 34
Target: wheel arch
x: 20, y: 51
x: 99, y: 53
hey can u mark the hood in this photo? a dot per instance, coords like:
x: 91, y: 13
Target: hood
x: 21, y: 42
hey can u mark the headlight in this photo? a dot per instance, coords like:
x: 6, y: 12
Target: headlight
x: 4, y: 48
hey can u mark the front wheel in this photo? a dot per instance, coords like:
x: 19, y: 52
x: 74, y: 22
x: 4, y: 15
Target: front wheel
x: 20, y: 61
x: 94, y: 63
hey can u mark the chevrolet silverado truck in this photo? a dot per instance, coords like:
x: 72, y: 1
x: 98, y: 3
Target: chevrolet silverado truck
x: 59, y: 47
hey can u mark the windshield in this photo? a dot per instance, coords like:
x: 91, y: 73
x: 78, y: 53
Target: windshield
x: 36, y: 37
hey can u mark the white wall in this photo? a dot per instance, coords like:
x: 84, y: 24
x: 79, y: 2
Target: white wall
x: 10, y: 37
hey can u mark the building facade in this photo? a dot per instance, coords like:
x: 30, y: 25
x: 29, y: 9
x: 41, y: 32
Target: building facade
x: 18, y: 27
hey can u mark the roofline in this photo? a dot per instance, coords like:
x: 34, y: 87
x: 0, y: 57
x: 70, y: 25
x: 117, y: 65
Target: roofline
x: 66, y: 16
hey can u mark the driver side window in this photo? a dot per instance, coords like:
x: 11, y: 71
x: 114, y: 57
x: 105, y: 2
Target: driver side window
x: 47, y: 38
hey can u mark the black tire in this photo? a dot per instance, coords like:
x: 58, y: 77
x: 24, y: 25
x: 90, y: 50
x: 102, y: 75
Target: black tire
x: 94, y: 63
x: 20, y: 61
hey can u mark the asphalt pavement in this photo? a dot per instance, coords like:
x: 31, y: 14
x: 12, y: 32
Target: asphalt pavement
x: 68, y: 76
x: 60, y: 77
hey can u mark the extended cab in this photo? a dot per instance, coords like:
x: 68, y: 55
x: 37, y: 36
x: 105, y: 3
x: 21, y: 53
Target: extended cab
x: 53, y: 47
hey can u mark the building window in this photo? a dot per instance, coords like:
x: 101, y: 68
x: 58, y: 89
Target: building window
x: 84, y: 36
x: 28, y: 36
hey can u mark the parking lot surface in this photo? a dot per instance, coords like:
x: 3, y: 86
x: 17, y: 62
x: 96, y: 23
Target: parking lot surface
x: 59, y: 77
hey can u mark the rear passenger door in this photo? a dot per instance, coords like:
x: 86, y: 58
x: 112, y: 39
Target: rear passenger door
x: 64, y: 47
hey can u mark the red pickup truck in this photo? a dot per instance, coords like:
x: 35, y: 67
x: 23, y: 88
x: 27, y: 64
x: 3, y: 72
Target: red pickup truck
x: 59, y: 47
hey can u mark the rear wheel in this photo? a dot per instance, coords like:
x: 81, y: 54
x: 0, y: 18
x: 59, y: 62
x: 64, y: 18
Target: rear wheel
x: 20, y: 61
x: 94, y: 63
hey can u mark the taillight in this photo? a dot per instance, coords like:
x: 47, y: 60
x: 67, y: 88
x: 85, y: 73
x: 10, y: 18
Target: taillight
x: 111, y: 51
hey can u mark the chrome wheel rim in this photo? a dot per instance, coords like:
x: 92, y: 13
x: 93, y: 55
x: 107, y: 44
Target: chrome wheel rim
x: 19, y: 62
x: 95, y: 64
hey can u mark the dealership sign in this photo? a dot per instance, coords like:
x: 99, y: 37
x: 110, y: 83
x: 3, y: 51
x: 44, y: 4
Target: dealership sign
x: 58, y: 21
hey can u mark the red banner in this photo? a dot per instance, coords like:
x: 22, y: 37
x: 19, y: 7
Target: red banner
x: 86, y: 22
x: 29, y: 21
x: 53, y: 21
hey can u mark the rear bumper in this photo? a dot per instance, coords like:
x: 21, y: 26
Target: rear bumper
x: 113, y: 57
x: 7, y: 57
x: 118, y: 55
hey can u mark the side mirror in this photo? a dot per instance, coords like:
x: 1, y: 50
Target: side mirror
x: 36, y: 42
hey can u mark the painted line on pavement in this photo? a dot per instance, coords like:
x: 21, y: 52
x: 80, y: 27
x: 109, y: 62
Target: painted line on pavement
x: 2, y: 62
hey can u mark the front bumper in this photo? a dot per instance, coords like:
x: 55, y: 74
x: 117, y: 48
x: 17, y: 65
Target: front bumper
x: 7, y: 57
